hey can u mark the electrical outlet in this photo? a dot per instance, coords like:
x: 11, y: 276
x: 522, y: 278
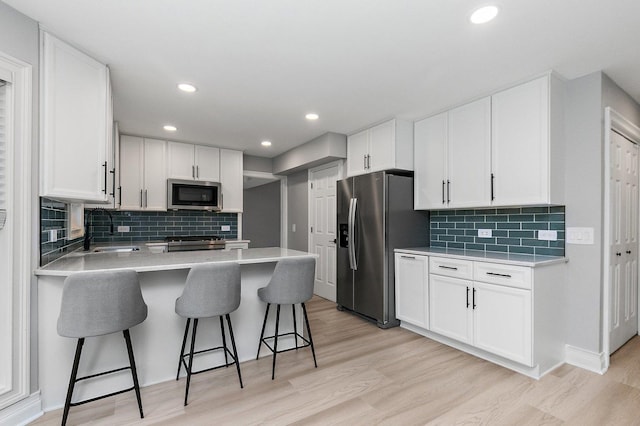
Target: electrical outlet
x: 548, y: 235
x: 484, y: 233
x: 123, y: 228
x: 225, y: 228
x: 53, y: 235
x: 293, y: 227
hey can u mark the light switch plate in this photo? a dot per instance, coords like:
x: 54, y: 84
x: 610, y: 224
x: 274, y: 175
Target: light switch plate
x: 225, y: 228
x: 53, y: 235
x: 123, y: 228
x: 484, y: 233
x: 548, y: 235
x: 580, y: 236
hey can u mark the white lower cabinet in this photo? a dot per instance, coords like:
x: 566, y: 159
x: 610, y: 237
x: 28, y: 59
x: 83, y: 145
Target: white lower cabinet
x: 412, y: 289
x: 509, y: 314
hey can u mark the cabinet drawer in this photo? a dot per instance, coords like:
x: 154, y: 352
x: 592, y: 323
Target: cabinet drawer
x: 456, y: 268
x: 507, y: 275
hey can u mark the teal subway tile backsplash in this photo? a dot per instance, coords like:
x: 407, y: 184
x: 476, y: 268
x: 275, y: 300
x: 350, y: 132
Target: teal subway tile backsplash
x: 514, y: 230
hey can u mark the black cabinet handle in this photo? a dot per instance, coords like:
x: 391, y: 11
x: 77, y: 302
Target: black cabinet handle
x: 408, y: 257
x: 467, y: 297
x: 448, y: 267
x: 499, y: 275
x: 443, y: 192
x: 120, y: 190
x: 474, y: 298
x: 113, y: 181
x: 492, y: 179
x: 448, y: 191
x: 105, y: 177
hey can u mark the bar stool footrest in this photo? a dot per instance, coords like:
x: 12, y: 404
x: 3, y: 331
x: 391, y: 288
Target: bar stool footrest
x: 217, y: 348
x: 306, y: 344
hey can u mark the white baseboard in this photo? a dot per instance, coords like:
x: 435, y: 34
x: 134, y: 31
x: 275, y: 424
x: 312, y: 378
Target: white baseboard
x: 592, y: 361
x: 22, y: 412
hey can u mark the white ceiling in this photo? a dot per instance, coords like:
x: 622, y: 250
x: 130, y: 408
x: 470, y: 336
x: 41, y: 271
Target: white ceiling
x: 260, y: 66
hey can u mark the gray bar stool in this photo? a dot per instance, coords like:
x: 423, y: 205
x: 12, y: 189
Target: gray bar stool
x: 211, y: 290
x: 95, y: 304
x: 291, y: 283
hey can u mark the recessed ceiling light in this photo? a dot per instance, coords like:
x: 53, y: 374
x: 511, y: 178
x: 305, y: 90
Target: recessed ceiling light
x: 312, y: 116
x: 186, y: 87
x: 170, y: 128
x: 266, y: 143
x: 484, y: 14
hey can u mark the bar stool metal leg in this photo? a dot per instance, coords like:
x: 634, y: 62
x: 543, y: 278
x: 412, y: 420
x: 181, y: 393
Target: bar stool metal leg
x: 295, y: 327
x: 72, y: 380
x: 224, y: 342
x: 306, y: 319
x: 275, y: 343
x: 184, y: 343
x: 134, y: 372
x: 264, y: 324
x: 235, y: 352
x: 193, y: 343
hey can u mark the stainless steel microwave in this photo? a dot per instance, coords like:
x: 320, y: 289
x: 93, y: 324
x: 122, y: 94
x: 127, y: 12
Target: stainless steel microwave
x: 193, y: 195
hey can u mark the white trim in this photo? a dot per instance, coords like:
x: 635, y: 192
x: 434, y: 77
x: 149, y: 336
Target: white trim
x: 592, y: 361
x: 284, y: 213
x: 22, y: 412
x: 612, y: 121
x: 21, y: 147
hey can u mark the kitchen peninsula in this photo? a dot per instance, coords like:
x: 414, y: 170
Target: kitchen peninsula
x: 157, y: 340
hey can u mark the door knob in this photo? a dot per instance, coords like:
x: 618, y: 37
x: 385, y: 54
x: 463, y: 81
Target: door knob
x: 618, y: 254
x: 628, y: 251
x: 335, y: 240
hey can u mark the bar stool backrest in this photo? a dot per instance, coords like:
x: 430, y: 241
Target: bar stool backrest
x: 292, y: 281
x: 210, y: 290
x: 98, y: 303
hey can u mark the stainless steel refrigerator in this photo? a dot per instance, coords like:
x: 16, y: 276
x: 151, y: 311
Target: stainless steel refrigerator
x: 375, y: 216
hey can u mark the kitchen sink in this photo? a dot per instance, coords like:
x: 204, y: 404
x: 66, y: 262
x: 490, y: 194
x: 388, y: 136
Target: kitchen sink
x: 116, y: 249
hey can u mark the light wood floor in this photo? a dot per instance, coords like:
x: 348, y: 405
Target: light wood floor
x: 370, y: 376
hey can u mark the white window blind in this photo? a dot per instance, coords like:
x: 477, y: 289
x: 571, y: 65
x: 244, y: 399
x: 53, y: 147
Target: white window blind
x: 3, y: 145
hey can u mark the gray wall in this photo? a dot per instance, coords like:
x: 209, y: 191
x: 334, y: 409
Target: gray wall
x: 297, y: 193
x: 583, y: 197
x: 19, y: 38
x: 261, y: 216
x: 257, y: 164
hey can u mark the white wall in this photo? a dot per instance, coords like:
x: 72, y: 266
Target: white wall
x: 298, y: 191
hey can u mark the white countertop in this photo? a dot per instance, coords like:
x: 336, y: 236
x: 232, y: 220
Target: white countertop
x: 493, y: 257
x: 145, y: 261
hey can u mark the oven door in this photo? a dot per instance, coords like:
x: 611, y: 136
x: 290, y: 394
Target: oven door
x: 193, y: 195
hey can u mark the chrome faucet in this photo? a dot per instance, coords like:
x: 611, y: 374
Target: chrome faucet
x: 87, y: 225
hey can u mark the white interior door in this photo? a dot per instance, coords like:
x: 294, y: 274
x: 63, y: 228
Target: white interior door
x: 623, y: 269
x: 322, y: 227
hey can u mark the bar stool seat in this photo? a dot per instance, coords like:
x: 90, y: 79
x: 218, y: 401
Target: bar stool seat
x: 95, y: 304
x: 210, y: 290
x: 291, y: 283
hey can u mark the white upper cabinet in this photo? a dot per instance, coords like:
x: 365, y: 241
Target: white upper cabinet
x: 503, y: 150
x: 452, y: 158
x: 75, y: 110
x: 527, y: 144
x: 143, y: 180
x: 231, y: 164
x: 386, y: 146
x: 193, y: 162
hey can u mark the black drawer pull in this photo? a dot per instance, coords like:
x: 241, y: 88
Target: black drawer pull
x: 499, y: 275
x: 448, y: 267
x: 408, y: 257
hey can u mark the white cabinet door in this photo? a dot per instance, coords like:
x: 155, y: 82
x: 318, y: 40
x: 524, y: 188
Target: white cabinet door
x: 450, y: 312
x: 469, y: 155
x: 143, y: 178
x: 382, y: 147
x: 155, y: 176
x: 207, y: 161
x: 231, y: 180
x: 357, y: 152
x: 412, y: 279
x: 430, y: 158
x: 74, y: 113
x: 180, y: 164
x: 520, y: 156
x: 131, y: 172
x: 503, y: 321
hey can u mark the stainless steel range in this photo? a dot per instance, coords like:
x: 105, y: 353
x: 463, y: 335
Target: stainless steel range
x: 192, y: 243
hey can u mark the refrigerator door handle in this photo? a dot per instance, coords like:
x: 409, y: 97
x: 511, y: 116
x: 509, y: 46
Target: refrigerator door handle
x: 351, y: 230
